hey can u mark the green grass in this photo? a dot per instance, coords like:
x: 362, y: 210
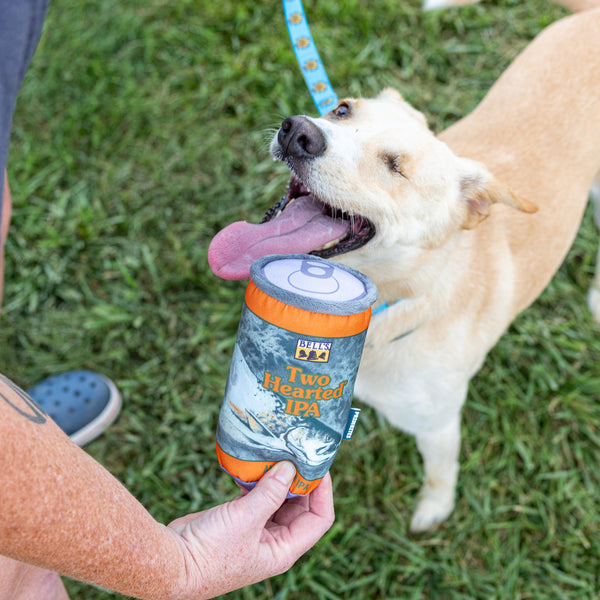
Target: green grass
x: 142, y: 129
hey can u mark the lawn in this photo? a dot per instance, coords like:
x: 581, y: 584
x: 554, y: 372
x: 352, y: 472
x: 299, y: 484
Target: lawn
x: 141, y: 130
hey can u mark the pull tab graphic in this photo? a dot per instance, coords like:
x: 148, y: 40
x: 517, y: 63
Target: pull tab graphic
x: 314, y: 277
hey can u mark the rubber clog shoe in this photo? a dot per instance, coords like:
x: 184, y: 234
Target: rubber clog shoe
x: 82, y: 403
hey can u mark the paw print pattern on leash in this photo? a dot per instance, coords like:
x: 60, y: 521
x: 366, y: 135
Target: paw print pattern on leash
x: 308, y: 58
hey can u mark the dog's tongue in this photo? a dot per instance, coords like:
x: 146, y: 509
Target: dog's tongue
x: 302, y: 227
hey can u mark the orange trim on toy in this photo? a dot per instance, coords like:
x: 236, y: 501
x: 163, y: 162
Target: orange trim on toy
x: 303, y: 321
x: 246, y: 470
x: 251, y: 471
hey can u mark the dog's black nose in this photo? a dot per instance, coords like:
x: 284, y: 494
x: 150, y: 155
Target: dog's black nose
x: 301, y: 138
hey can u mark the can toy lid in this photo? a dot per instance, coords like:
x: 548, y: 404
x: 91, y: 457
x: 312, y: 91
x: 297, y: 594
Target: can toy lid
x: 314, y: 284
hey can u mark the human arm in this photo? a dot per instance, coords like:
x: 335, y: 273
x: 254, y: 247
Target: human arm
x: 62, y: 511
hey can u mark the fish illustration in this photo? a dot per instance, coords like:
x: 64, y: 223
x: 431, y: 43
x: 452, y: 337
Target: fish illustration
x: 312, y: 442
x: 314, y: 446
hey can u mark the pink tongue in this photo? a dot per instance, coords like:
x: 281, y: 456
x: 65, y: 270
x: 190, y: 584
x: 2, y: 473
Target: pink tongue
x: 301, y: 227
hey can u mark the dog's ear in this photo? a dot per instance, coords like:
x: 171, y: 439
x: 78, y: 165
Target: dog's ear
x: 393, y: 95
x: 390, y: 94
x: 480, y: 189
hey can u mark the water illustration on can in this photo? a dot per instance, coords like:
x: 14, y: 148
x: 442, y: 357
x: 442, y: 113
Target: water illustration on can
x: 291, y: 379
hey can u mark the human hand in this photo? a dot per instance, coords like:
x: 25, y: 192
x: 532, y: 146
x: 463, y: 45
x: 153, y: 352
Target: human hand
x: 256, y: 536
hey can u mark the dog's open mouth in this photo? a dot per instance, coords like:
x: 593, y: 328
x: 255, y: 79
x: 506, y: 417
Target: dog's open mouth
x: 299, y: 223
x: 359, y: 230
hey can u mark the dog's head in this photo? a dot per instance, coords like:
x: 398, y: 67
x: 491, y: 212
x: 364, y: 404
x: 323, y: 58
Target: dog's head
x: 368, y: 175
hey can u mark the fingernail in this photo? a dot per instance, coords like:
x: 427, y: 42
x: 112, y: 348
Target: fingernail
x: 284, y: 472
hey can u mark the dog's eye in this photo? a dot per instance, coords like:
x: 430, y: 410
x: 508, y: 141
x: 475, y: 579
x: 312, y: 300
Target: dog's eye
x: 341, y: 110
x: 394, y: 163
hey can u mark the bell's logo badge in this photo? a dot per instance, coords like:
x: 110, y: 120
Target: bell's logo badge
x: 312, y: 351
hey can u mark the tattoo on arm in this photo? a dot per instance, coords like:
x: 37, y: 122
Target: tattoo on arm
x: 22, y: 403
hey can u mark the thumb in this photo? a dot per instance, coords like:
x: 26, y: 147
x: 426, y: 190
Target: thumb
x: 271, y: 491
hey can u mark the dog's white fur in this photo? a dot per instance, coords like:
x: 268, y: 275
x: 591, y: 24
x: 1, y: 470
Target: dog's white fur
x: 471, y: 226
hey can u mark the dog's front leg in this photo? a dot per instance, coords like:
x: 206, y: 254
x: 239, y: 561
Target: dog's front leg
x: 439, y: 449
x: 423, y: 399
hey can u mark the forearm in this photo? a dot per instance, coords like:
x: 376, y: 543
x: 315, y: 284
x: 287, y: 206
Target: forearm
x: 61, y: 510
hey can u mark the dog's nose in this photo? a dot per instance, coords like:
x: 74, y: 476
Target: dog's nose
x: 301, y: 138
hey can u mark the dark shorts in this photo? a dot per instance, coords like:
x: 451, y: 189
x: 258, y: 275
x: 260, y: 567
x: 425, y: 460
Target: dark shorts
x: 21, y: 23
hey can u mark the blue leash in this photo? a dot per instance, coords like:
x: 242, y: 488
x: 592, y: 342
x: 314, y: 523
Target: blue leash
x: 313, y: 70
x: 308, y: 58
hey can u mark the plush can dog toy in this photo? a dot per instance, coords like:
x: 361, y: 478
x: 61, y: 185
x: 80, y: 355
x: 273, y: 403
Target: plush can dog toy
x: 289, y: 391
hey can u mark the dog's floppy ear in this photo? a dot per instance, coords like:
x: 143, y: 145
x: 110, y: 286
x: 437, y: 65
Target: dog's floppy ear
x: 480, y: 189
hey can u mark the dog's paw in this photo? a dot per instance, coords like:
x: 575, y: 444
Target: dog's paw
x: 593, y: 301
x: 430, y: 512
x: 433, y: 4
